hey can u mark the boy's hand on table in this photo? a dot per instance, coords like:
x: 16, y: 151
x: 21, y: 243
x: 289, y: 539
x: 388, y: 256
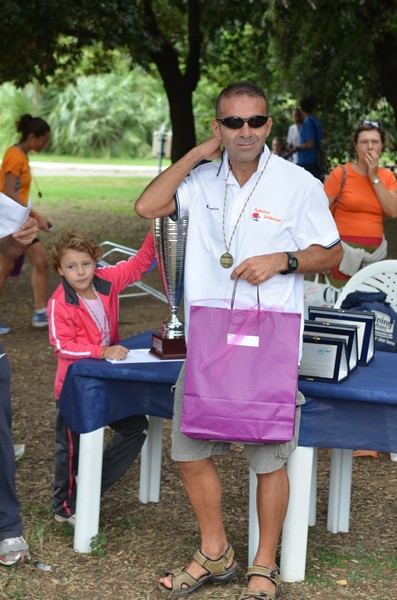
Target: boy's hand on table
x: 116, y: 352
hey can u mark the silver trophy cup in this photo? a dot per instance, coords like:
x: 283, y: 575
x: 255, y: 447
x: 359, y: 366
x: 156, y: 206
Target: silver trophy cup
x: 170, y: 240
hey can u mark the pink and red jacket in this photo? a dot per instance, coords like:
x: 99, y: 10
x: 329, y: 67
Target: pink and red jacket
x: 72, y: 330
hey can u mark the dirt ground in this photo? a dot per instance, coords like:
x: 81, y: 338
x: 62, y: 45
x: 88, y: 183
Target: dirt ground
x: 140, y: 541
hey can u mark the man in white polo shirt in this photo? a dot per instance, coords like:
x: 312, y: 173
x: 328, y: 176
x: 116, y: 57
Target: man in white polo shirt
x: 259, y: 217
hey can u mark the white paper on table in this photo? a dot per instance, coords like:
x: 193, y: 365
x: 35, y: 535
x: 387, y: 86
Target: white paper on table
x: 140, y: 355
x: 12, y: 215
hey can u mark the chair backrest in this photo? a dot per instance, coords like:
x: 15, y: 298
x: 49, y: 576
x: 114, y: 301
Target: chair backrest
x: 126, y: 251
x: 381, y: 276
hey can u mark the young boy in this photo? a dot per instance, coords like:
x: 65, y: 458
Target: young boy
x: 83, y: 323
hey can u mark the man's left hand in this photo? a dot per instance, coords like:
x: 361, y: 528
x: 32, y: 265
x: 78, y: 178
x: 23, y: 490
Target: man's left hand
x: 258, y: 269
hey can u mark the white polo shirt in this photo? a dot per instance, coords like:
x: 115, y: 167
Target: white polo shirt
x: 287, y: 211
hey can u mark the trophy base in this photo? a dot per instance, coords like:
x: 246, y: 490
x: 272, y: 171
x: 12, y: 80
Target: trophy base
x: 168, y: 349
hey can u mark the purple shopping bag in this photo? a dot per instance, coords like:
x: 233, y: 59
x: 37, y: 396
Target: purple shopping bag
x: 241, y: 375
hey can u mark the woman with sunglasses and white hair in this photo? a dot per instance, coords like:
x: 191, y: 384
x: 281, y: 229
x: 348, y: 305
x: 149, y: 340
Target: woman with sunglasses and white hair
x: 360, y: 195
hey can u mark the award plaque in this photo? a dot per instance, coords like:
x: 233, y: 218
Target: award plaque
x: 324, y: 359
x: 342, y: 330
x: 170, y: 240
x: 363, y: 320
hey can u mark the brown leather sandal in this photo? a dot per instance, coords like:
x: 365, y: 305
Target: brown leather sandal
x: 273, y: 576
x: 217, y: 572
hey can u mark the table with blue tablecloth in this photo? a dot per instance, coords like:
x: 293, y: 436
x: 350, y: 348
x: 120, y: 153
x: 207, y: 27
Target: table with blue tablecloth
x: 357, y: 413
x: 97, y: 392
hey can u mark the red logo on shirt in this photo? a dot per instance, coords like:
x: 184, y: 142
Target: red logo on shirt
x: 262, y: 214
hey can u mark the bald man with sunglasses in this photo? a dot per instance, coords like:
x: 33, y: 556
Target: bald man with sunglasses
x: 255, y: 216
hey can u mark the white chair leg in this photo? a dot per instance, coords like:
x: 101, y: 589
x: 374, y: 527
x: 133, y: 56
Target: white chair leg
x: 313, y: 491
x: 296, y: 524
x: 149, y: 488
x: 253, y: 524
x: 340, y: 490
x: 88, y: 501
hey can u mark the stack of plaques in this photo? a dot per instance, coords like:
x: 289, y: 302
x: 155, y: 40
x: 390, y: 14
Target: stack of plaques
x: 335, y: 341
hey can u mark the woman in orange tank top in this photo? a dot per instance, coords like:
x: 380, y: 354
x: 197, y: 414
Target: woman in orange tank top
x: 361, y: 194
x: 15, y: 181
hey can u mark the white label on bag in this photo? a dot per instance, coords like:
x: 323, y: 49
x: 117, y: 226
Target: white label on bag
x: 243, y: 340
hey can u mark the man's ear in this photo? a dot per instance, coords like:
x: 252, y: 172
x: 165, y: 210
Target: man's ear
x: 269, y: 126
x: 216, y: 129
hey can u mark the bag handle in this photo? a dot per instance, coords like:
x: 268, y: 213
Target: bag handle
x: 234, y: 295
x: 223, y: 353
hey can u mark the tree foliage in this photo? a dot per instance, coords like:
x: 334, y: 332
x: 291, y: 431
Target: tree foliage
x: 343, y: 52
x: 337, y: 44
x: 345, y: 55
x: 108, y: 115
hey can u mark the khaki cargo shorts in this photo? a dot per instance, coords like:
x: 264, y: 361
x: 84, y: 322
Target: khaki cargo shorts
x: 263, y: 458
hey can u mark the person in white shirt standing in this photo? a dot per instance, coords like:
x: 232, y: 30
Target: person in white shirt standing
x: 293, y: 136
x: 255, y: 216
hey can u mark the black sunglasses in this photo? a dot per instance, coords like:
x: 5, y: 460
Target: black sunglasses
x: 238, y: 122
x: 375, y: 124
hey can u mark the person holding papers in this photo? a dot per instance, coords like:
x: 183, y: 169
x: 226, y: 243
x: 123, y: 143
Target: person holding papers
x: 13, y: 547
x: 15, y: 179
x: 83, y: 315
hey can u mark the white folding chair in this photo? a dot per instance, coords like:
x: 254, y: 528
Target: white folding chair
x: 126, y: 251
x: 381, y: 276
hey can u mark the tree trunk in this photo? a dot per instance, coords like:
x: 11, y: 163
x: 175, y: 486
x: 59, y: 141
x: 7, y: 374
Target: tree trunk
x: 182, y: 121
x: 387, y: 64
x: 179, y: 87
x: 179, y: 90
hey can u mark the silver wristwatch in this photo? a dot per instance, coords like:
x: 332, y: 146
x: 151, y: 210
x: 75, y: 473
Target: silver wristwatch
x: 375, y: 181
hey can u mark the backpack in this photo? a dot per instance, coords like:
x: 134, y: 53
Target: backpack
x: 385, y: 317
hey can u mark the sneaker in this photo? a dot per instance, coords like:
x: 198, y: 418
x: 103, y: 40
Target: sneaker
x: 4, y: 329
x: 69, y: 520
x: 40, y: 320
x: 13, y: 550
x: 19, y: 451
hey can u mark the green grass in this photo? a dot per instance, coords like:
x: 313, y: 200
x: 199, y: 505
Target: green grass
x: 53, y: 158
x: 353, y: 565
x: 91, y: 194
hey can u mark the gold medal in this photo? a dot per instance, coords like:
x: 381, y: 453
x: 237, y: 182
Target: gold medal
x: 226, y: 260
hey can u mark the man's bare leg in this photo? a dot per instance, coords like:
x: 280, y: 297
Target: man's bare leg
x: 272, y: 503
x: 204, y: 491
